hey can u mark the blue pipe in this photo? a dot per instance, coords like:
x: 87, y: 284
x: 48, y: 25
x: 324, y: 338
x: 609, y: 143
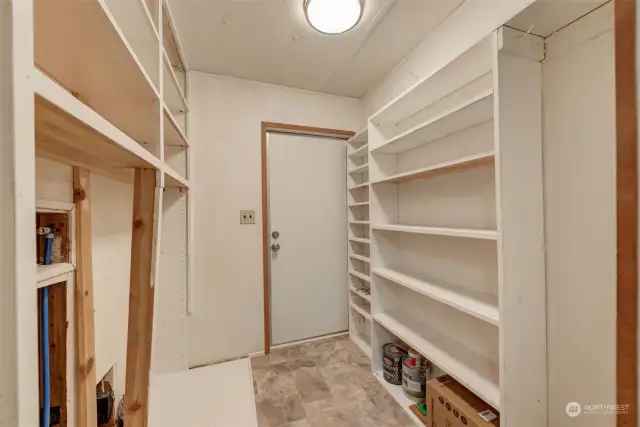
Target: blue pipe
x: 46, y: 381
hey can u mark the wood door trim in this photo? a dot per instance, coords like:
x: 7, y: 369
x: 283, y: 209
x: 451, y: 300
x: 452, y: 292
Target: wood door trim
x: 297, y: 130
x: 626, y: 211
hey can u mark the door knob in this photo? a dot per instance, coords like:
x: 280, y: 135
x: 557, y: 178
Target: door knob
x: 275, y: 247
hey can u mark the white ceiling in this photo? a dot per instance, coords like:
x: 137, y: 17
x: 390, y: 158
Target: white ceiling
x: 548, y: 16
x: 270, y: 41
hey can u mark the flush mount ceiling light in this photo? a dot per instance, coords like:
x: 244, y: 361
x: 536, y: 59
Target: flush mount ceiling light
x: 333, y: 16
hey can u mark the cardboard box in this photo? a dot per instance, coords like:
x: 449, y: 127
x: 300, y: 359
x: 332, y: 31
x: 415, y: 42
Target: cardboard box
x: 450, y: 404
x: 425, y: 418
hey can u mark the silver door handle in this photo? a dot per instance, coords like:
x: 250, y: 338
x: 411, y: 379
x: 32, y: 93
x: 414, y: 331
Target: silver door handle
x: 275, y: 247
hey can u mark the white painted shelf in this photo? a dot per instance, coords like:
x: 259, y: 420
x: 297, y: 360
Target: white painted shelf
x: 360, y: 240
x: 396, y: 392
x: 473, y: 370
x: 477, y: 61
x: 359, y: 204
x: 173, y: 96
x: 361, y: 311
x: 483, y: 307
x: 47, y: 275
x: 362, y: 151
x: 440, y: 231
x: 472, y: 112
x: 361, y: 343
x: 360, y: 293
x: 174, y: 179
x: 359, y: 222
x: 359, y: 186
x: 359, y: 138
x: 360, y: 169
x: 360, y: 257
x: 360, y: 276
x: 458, y: 165
x: 173, y: 134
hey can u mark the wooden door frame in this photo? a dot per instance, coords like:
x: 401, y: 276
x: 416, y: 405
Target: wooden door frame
x: 294, y: 130
x: 626, y: 210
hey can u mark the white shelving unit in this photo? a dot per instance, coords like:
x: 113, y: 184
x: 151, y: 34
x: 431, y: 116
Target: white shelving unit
x: 456, y: 228
x: 359, y: 280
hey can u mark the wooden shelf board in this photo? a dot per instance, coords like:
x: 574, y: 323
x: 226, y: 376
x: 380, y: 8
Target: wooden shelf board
x: 359, y: 186
x: 359, y: 204
x: 440, y: 231
x: 69, y: 131
x: 360, y: 258
x: 47, y: 275
x: 174, y: 179
x: 483, y: 307
x: 361, y: 311
x: 361, y: 343
x: 359, y: 138
x: 362, y: 151
x: 79, y: 44
x: 396, y: 392
x: 458, y: 165
x: 173, y: 134
x: 360, y: 276
x: 360, y: 240
x: 362, y: 169
x: 360, y: 294
x: 474, y: 111
x: 474, y: 371
x: 174, y: 99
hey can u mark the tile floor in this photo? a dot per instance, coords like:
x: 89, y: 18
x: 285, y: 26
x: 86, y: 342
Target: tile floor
x: 324, y: 383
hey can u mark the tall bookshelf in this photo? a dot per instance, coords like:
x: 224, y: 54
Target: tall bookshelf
x: 456, y: 226
x: 359, y: 280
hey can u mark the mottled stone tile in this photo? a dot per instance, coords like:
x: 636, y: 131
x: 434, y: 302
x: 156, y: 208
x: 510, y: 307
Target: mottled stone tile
x: 358, y: 356
x: 311, y: 385
x: 275, y: 384
x: 259, y: 362
x: 301, y: 423
x: 275, y: 412
x: 293, y: 365
x: 285, y: 354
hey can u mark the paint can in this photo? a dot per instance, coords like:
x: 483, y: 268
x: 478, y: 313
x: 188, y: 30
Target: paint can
x: 414, y: 358
x: 392, y: 356
x: 414, y: 379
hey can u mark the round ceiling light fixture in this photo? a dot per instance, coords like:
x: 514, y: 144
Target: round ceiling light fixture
x: 333, y: 16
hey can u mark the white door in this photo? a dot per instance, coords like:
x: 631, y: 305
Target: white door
x: 307, y: 209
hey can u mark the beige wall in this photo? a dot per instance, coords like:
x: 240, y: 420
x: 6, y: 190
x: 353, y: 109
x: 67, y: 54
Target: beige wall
x: 227, y: 317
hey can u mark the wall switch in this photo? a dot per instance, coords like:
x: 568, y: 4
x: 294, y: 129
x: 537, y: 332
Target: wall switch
x: 247, y: 217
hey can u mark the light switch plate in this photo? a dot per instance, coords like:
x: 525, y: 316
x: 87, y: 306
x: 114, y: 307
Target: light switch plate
x: 247, y: 217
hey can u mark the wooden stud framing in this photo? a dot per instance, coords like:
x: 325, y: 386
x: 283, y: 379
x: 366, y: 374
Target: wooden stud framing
x: 85, y: 327
x: 141, y: 298
x: 58, y: 351
x: 627, y: 210
x: 281, y: 128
